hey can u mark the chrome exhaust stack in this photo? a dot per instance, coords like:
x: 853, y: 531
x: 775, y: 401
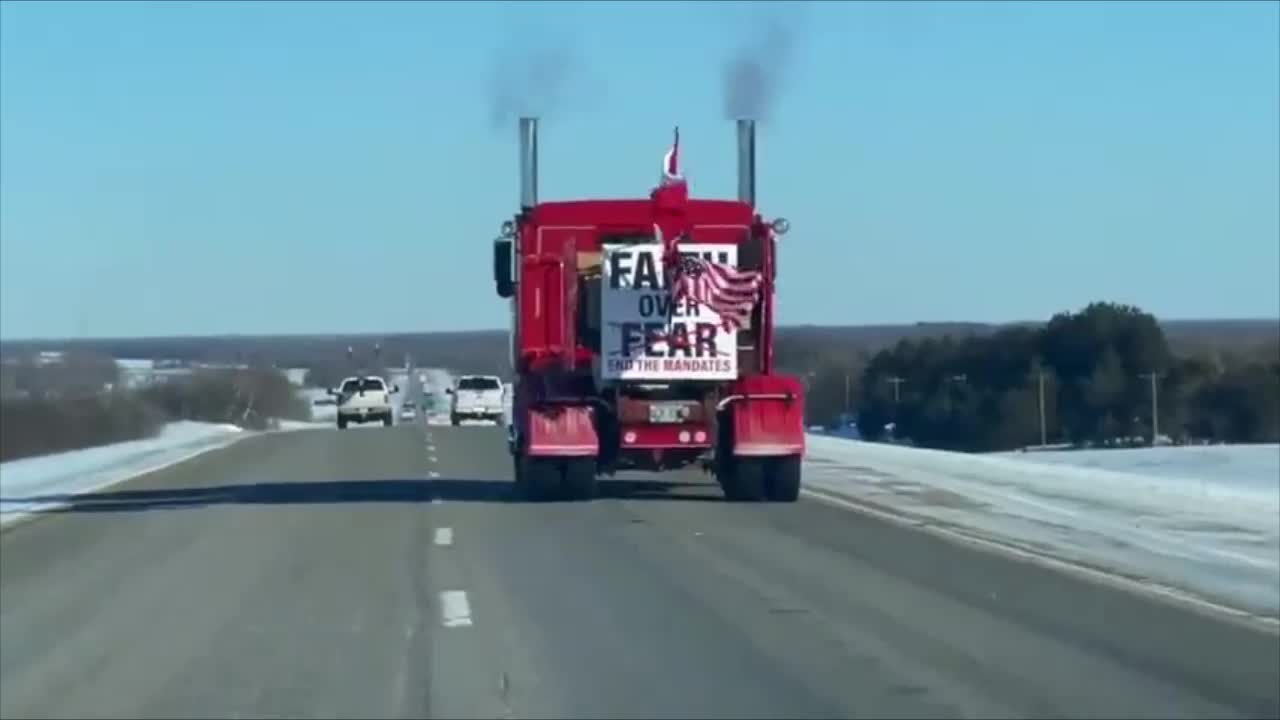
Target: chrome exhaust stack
x: 528, y: 162
x: 747, y: 161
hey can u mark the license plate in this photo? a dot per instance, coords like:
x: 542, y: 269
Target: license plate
x: 666, y: 413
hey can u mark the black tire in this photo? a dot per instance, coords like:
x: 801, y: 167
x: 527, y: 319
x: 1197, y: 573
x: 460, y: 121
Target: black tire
x: 538, y: 479
x: 784, y: 478
x: 454, y: 420
x: 342, y: 423
x: 386, y: 420
x: 745, y: 480
x: 580, y: 478
x: 519, y: 480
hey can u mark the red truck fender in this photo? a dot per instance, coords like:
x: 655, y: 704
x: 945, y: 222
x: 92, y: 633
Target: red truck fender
x: 767, y: 415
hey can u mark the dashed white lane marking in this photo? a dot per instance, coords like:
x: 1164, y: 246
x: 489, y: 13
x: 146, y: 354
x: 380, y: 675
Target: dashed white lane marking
x: 436, y: 501
x: 444, y: 536
x: 433, y: 473
x: 433, y: 458
x: 455, y: 611
x: 431, y: 448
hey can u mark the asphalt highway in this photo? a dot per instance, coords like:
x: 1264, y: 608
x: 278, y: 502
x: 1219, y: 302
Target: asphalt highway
x: 385, y: 572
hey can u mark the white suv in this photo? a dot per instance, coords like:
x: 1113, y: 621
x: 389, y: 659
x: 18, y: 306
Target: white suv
x: 476, y: 397
x: 364, y: 399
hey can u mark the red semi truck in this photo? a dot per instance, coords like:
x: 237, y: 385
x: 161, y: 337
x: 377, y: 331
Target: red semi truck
x: 613, y: 371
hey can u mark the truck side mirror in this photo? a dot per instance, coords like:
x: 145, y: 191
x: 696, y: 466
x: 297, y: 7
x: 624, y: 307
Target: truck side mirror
x: 502, y: 279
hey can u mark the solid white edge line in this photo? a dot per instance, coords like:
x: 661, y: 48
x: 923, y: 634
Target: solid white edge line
x: 444, y: 536
x: 44, y: 509
x: 455, y: 611
x: 433, y: 474
x: 1148, y: 588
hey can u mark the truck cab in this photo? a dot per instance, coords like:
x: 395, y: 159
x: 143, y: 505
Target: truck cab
x: 611, y: 372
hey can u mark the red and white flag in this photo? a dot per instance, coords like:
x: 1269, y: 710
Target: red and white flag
x: 671, y: 161
x: 729, y: 292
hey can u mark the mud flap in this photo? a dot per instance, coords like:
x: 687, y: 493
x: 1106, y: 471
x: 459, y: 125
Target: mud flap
x: 767, y: 416
x: 560, y: 431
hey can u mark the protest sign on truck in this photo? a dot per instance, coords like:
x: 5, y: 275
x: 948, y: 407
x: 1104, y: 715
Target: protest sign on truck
x: 643, y: 336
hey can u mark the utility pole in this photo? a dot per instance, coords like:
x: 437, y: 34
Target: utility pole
x: 962, y: 379
x: 846, y: 393
x: 896, y: 381
x: 1043, y: 435
x: 1155, y: 405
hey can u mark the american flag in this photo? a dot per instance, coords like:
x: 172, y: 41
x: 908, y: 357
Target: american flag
x: 727, y: 291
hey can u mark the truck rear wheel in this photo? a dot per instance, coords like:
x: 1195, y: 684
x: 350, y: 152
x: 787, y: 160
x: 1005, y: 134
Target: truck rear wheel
x: 537, y: 479
x: 743, y: 480
x: 783, y: 481
x: 342, y: 423
x: 580, y: 478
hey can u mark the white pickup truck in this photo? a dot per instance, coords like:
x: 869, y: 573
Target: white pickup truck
x: 364, y: 399
x: 476, y: 397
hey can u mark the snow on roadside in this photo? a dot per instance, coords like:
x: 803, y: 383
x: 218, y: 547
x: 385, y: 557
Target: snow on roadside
x: 1246, y: 467
x: 1215, y: 537
x: 301, y: 424
x: 89, y: 469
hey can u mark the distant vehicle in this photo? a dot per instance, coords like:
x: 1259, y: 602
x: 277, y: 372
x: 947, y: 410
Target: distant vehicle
x: 476, y: 397
x: 364, y: 399
x: 408, y: 411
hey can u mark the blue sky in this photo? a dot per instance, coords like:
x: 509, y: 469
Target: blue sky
x: 215, y: 167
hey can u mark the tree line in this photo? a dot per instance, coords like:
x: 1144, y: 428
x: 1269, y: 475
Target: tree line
x: 1103, y: 375
x: 963, y: 386
x: 81, y: 402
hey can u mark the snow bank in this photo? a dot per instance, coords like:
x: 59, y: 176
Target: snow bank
x: 286, y: 425
x: 1196, y: 528
x: 89, y: 469
x: 1248, y: 467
